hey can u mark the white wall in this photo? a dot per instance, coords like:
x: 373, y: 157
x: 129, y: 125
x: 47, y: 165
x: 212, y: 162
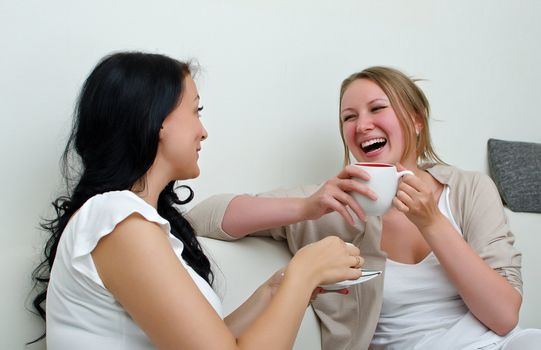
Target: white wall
x: 269, y: 83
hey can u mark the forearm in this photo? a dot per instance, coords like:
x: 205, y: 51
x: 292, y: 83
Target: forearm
x: 283, y: 316
x: 247, y: 313
x: 326, y: 261
x: 488, y: 295
x: 248, y: 214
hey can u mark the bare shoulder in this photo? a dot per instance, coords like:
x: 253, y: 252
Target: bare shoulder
x: 138, y: 265
x: 129, y: 247
x: 133, y: 231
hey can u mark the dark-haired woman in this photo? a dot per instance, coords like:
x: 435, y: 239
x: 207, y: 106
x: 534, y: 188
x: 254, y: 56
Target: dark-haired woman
x: 123, y: 267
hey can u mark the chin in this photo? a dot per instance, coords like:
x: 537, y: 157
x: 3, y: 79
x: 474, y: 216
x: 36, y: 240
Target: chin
x: 187, y: 174
x: 195, y: 173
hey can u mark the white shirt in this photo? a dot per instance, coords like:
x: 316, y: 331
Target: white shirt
x: 81, y: 313
x: 423, y: 310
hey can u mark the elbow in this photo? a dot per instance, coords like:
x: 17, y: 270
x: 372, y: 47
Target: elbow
x: 509, y: 317
x: 504, y: 328
x: 506, y: 324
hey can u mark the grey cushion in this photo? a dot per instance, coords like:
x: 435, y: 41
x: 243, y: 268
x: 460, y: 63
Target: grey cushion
x: 515, y: 167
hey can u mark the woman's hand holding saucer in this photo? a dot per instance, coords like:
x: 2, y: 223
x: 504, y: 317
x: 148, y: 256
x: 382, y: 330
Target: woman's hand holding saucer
x: 327, y: 261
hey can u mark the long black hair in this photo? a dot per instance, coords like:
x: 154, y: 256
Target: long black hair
x: 113, y: 143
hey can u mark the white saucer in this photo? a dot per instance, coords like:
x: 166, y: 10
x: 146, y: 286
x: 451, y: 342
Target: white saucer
x: 367, y: 275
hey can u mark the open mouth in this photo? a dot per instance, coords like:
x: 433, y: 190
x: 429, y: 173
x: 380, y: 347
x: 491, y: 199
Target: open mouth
x: 373, y: 145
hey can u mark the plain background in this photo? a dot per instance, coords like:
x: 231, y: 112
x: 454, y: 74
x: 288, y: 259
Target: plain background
x: 269, y: 78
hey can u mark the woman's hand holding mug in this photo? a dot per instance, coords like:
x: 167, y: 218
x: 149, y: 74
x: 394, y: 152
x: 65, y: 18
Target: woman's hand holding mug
x: 417, y: 201
x: 336, y: 195
x: 383, y: 181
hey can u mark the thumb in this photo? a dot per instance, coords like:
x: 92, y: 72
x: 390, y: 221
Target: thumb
x: 400, y: 167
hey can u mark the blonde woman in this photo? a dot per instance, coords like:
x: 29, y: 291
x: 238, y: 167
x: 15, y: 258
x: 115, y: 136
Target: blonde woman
x: 452, y: 276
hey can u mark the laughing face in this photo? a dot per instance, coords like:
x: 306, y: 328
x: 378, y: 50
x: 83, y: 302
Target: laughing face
x: 371, y: 128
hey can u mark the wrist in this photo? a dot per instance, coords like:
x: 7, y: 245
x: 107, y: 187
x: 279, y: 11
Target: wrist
x: 432, y: 227
x: 263, y: 295
x: 298, y: 272
x: 304, y: 208
x: 294, y: 209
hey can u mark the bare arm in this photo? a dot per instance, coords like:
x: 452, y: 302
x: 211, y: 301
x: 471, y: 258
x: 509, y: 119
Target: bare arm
x: 138, y: 266
x: 248, y: 312
x: 238, y: 320
x: 248, y: 214
x: 489, y: 296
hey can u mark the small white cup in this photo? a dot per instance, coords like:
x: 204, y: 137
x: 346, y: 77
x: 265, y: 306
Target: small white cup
x: 383, y: 182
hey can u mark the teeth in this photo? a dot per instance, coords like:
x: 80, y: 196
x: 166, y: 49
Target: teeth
x: 371, y: 142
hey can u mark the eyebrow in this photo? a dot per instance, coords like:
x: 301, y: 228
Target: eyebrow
x: 196, y: 98
x: 347, y: 109
x: 370, y: 102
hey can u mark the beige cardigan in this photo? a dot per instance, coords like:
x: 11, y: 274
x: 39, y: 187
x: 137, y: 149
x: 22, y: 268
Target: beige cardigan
x: 349, y: 322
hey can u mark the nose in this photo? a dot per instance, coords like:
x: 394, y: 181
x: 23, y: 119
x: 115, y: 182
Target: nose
x: 204, y: 134
x: 364, y: 123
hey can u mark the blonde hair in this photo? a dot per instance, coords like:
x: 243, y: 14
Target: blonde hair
x: 409, y: 103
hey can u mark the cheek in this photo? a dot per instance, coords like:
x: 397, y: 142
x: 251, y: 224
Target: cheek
x: 395, y: 130
x: 349, y: 133
x: 390, y: 122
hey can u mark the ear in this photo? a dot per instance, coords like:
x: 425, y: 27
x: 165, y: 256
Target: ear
x: 418, y: 125
x: 162, y: 132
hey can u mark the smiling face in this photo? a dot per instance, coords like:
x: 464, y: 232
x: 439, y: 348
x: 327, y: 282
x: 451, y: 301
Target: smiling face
x: 371, y: 128
x: 376, y: 102
x: 181, y: 135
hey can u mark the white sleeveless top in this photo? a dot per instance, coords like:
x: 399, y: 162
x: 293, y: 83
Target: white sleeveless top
x: 423, y: 310
x: 81, y: 313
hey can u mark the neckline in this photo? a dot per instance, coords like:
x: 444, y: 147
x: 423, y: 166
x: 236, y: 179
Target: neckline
x: 442, y: 202
x: 431, y: 253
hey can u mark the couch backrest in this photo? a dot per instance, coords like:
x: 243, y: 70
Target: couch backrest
x: 242, y: 266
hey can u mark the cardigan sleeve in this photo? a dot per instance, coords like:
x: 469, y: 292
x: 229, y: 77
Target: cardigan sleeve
x: 485, y: 227
x: 207, y: 216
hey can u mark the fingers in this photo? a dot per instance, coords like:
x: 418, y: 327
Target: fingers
x: 354, y: 272
x: 416, y: 199
x: 337, y: 259
x: 400, y: 167
x: 343, y: 291
x: 400, y: 206
x: 354, y: 252
x: 353, y: 171
x: 414, y: 181
x: 406, y: 194
x: 410, y: 190
x: 319, y: 290
x: 316, y: 292
x: 348, y: 186
x: 352, y: 185
x: 336, y: 203
x: 335, y: 195
x: 356, y: 261
x: 347, y: 201
x: 359, y: 261
x: 352, y: 249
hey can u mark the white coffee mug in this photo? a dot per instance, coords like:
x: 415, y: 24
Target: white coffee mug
x: 383, y: 182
